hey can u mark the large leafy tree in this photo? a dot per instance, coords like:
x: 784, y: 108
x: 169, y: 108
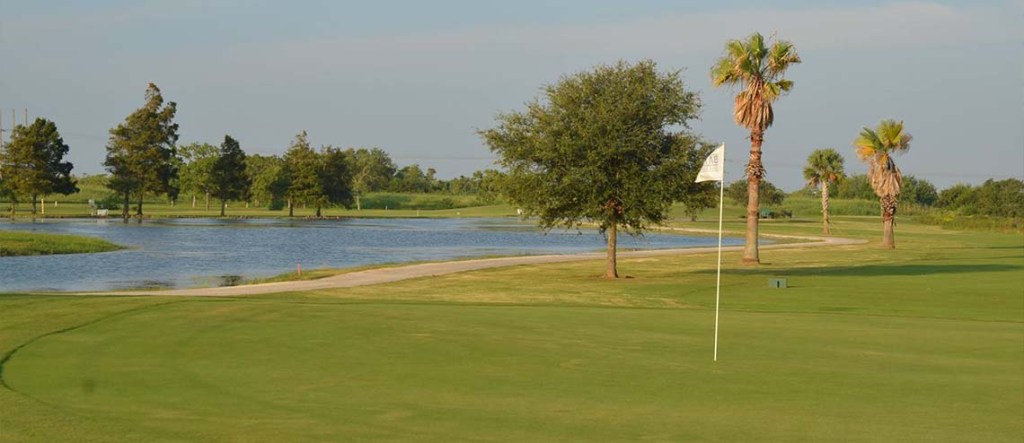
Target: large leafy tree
x: 372, y: 170
x: 335, y: 179
x: 597, y: 147
x: 855, y: 186
x: 141, y: 150
x: 770, y: 195
x: 918, y: 190
x: 230, y: 181
x: 411, y: 179
x: 196, y: 172
x: 759, y: 70
x: 302, y: 174
x: 877, y: 148
x: 33, y: 164
x: 824, y: 168
x: 266, y: 175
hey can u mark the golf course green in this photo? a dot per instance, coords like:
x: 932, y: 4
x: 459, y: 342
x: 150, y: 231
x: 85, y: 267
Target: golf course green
x: 921, y: 343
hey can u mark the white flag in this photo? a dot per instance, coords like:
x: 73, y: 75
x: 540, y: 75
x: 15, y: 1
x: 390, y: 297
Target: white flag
x: 714, y: 167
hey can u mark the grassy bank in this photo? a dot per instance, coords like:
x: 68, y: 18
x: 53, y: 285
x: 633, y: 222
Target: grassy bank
x: 924, y: 343
x: 14, y: 243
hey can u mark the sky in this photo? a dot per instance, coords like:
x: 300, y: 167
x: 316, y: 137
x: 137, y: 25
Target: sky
x: 419, y: 79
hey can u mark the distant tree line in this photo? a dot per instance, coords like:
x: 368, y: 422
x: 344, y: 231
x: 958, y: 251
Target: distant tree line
x: 996, y: 198
x: 144, y: 159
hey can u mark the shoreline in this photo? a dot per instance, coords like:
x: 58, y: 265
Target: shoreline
x: 398, y: 273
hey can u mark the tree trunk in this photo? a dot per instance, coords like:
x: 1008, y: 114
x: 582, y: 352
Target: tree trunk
x: 888, y: 221
x: 33, y: 206
x: 139, y: 211
x: 223, y: 205
x: 291, y: 208
x: 193, y: 200
x: 755, y: 172
x: 127, y: 205
x: 207, y: 200
x: 359, y: 207
x: 612, y: 271
x: 826, y: 220
x: 317, y: 211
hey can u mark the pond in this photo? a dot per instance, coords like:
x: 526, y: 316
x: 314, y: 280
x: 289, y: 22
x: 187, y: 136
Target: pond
x: 177, y: 253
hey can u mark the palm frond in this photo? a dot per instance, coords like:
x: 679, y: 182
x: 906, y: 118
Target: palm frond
x: 867, y: 144
x: 780, y: 57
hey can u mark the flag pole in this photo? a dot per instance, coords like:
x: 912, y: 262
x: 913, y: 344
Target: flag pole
x: 713, y: 169
x: 718, y: 278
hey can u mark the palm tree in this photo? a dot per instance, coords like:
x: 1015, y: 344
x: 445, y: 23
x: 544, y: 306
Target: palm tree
x: 758, y: 70
x: 876, y: 148
x: 824, y: 167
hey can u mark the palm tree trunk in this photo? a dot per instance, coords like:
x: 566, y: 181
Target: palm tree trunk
x: 826, y: 220
x: 888, y: 221
x: 755, y: 172
x: 612, y: 271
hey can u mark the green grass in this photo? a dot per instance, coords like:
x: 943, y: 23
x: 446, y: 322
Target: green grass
x: 14, y: 243
x: 924, y: 343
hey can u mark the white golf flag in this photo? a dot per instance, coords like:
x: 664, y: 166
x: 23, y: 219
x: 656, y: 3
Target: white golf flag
x: 714, y: 167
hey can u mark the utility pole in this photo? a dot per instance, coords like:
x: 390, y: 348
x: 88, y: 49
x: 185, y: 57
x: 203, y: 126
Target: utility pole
x: 26, y: 117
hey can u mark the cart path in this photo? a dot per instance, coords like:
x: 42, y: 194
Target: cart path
x: 393, y: 274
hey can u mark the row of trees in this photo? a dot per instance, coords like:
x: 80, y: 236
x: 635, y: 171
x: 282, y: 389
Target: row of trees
x: 143, y: 159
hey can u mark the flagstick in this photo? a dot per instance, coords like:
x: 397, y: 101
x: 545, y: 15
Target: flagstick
x: 718, y: 278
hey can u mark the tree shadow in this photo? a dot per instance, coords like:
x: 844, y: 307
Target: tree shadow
x: 872, y: 270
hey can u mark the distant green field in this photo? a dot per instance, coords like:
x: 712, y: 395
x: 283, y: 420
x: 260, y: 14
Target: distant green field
x: 34, y: 243
x: 923, y: 343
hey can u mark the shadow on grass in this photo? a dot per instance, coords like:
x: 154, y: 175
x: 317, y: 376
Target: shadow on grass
x: 873, y: 270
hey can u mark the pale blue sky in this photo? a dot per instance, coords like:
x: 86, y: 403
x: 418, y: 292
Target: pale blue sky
x: 417, y: 78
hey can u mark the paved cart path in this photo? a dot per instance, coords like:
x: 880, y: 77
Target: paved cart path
x: 392, y: 274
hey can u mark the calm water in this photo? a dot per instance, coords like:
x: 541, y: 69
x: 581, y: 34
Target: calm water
x: 212, y: 252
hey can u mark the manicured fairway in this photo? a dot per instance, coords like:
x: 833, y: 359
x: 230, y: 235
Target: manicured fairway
x: 925, y: 343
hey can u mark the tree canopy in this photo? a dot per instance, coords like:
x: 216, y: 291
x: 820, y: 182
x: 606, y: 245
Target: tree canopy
x: 770, y: 195
x: 195, y: 175
x: 33, y: 164
x: 230, y: 181
x: 266, y: 173
x: 301, y: 172
x: 141, y: 150
x: 597, y: 147
x: 335, y: 178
